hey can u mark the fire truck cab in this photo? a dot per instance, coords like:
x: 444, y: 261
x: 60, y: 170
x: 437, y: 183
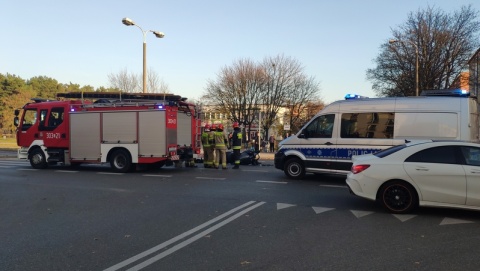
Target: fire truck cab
x: 118, y: 128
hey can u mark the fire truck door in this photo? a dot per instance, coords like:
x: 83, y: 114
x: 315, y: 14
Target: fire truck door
x: 53, y: 128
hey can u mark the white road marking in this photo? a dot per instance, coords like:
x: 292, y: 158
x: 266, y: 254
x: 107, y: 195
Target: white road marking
x: 28, y: 169
x: 359, y: 214
x: 5, y: 166
x: 260, y: 181
x: 183, y: 235
x: 451, y: 221
x: 209, y: 178
x: 193, y: 239
x: 404, y: 218
x: 16, y: 162
x: 115, y: 190
x: 110, y: 173
x: 284, y: 205
x: 333, y: 186
x: 66, y: 171
x: 156, y: 175
x: 319, y: 210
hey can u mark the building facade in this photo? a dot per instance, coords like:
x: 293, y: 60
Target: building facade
x: 474, y: 73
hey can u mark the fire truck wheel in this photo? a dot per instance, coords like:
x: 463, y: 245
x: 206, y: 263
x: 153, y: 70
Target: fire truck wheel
x: 37, y: 159
x: 121, y: 161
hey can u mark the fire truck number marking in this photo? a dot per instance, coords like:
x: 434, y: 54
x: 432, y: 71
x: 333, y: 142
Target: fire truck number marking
x: 172, y: 121
x: 53, y: 135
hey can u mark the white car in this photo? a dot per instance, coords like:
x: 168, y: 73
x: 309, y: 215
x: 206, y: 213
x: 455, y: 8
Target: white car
x: 433, y: 173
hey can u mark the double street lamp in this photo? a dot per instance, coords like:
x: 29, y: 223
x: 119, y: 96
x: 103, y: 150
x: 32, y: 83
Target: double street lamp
x: 129, y: 22
x: 416, y: 61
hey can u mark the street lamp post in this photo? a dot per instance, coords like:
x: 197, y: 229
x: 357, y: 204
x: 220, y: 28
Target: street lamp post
x: 259, y: 130
x: 259, y: 111
x: 129, y: 22
x: 416, y: 61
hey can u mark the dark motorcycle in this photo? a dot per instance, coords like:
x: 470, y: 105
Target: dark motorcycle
x: 247, y: 157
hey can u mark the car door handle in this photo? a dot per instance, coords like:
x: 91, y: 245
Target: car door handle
x: 422, y: 169
x: 328, y: 143
x: 475, y: 172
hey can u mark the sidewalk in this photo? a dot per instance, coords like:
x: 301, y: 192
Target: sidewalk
x: 7, y: 153
x: 267, y: 155
x: 13, y: 153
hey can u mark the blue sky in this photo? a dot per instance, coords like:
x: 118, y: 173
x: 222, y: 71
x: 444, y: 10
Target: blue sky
x: 83, y: 41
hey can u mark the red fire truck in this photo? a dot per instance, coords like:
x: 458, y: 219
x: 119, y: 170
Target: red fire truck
x: 122, y: 129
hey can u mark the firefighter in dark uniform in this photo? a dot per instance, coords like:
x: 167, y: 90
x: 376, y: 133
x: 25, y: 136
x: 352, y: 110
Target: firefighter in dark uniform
x: 236, y: 144
x: 207, y: 151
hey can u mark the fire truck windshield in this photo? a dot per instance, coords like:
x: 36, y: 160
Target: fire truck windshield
x: 29, y: 118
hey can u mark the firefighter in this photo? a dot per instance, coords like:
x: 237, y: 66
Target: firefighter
x: 211, y: 140
x: 221, y: 144
x: 206, y: 147
x: 236, y: 144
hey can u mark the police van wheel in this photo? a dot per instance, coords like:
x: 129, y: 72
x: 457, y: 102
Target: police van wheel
x: 294, y: 168
x: 38, y: 160
x: 121, y: 161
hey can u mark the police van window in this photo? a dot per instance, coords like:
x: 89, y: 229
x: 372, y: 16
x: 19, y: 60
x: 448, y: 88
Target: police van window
x: 321, y: 127
x: 367, y: 125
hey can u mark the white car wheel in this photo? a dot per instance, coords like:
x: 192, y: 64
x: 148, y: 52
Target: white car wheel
x: 398, y: 197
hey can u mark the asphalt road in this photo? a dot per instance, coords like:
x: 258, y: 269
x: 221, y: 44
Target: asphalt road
x: 202, y: 219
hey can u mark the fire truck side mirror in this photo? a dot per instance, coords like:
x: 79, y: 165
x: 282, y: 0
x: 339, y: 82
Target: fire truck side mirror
x: 15, y: 121
x: 17, y: 112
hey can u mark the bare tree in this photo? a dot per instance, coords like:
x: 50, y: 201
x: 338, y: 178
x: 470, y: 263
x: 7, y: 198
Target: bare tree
x: 124, y: 81
x: 130, y: 82
x: 237, y: 91
x: 155, y: 83
x: 304, y: 94
x: 287, y: 86
x: 245, y: 88
x: 443, y: 43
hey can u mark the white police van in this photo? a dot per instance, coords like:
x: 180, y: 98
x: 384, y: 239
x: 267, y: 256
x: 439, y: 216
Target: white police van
x: 359, y: 125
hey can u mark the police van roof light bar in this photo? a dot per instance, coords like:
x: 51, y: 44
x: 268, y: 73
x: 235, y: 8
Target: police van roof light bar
x: 446, y: 92
x: 351, y: 96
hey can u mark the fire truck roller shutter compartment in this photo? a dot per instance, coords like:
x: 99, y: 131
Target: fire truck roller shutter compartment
x: 119, y: 127
x: 84, y: 135
x: 184, y: 126
x: 152, y: 134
